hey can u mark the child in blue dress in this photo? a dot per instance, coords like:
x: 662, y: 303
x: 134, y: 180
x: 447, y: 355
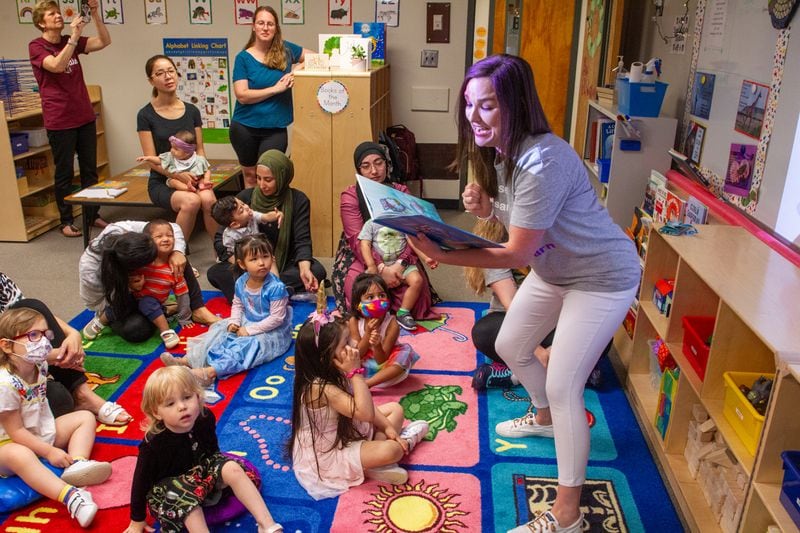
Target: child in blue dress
x: 260, y: 326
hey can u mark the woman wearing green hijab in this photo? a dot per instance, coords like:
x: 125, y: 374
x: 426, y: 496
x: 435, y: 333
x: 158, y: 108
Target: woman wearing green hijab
x: 292, y: 241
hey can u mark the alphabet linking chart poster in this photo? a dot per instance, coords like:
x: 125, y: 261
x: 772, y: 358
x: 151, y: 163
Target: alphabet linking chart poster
x: 204, y: 80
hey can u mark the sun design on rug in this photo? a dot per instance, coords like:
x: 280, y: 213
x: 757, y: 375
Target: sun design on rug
x: 420, y: 507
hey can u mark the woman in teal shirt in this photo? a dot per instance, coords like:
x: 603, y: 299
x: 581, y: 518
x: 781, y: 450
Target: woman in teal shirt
x: 262, y: 82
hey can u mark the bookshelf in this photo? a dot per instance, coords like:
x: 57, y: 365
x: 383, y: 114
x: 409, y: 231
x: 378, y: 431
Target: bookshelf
x: 23, y: 220
x: 630, y: 170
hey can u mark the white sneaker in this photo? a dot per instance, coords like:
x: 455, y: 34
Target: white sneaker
x: 81, y: 507
x: 83, y: 473
x: 524, y: 426
x: 414, y: 432
x: 392, y: 473
x: 547, y: 523
x: 92, y: 329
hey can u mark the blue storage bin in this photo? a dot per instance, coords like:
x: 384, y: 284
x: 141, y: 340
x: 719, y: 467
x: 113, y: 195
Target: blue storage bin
x: 19, y: 143
x: 640, y: 99
x: 790, y: 491
x: 603, y: 170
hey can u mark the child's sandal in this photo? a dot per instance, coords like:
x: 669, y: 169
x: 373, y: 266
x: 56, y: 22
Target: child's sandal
x: 170, y: 338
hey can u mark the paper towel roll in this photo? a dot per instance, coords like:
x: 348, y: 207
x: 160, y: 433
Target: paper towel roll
x: 635, y: 75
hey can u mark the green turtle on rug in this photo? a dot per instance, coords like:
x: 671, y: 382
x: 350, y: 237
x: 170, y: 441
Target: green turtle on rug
x: 436, y: 404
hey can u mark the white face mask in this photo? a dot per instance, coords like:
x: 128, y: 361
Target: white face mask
x: 37, y: 352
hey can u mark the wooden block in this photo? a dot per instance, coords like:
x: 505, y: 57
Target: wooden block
x: 699, y: 413
x: 708, y: 425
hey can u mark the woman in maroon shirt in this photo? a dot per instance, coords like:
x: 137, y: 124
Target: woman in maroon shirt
x: 372, y: 161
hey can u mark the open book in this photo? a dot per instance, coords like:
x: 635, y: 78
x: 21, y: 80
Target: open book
x: 410, y: 215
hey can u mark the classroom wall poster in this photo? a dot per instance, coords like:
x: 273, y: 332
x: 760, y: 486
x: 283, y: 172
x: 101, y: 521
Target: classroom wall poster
x: 112, y: 11
x: 200, y: 12
x: 339, y: 12
x: 740, y: 169
x: 388, y: 12
x: 702, y: 94
x: 750, y: 111
x: 244, y: 11
x: 204, y: 80
x: 293, y: 12
x: 69, y: 10
x: 25, y: 11
x: 155, y: 11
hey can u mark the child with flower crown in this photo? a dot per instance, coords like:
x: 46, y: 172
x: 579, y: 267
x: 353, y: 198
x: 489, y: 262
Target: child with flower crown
x: 375, y: 332
x: 339, y: 436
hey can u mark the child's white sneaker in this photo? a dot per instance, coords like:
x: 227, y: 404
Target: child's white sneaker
x: 92, y: 329
x: 86, y: 472
x: 547, y: 523
x: 524, y: 426
x: 81, y: 507
x: 392, y: 473
x: 414, y: 432
x: 170, y: 338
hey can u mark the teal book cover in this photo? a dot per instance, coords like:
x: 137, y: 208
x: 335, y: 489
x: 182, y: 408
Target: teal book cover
x: 376, y: 33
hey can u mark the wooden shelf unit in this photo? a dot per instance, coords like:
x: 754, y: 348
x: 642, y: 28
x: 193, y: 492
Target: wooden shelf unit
x: 21, y: 223
x: 630, y: 170
x: 752, y: 292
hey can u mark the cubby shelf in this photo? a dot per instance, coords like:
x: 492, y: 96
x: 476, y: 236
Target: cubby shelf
x: 751, y: 291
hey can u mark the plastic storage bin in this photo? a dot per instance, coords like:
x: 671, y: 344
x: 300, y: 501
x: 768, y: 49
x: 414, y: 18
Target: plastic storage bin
x: 603, y: 170
x: 790, y: 490
x: 746, y: 421
x: 19, y: 142
x: 640, y: 99
x: 696, y: 330
x: 36, y: 136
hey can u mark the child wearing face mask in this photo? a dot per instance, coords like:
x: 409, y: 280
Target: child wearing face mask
x: 375, y: 332
x: 28, y: 430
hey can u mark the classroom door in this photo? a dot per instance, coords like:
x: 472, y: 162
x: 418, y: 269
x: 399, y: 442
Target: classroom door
x: 541, y: 32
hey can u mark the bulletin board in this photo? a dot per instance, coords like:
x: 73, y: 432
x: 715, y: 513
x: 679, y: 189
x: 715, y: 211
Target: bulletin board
x: 745, y: 148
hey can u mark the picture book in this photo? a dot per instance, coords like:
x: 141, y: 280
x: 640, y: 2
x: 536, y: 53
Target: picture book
x: 376, y: 33
x: 657, y: 180
x: 411, y: 215
x: 674, y: 207
x: 606, y: 139
x: 639, y: 230
x: 696, y: 212
x: 660, y: 204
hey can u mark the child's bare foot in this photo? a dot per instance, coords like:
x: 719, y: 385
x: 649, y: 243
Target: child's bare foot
x: 170, y: 360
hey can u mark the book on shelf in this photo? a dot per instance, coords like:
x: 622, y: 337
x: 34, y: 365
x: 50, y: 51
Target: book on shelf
x: 410, y: 215
x: 674, y: 207
x: 687, y: 168
x: 605, y: 136
x: 657, y: 181
x: 696, y: 212
x: 639, y: 230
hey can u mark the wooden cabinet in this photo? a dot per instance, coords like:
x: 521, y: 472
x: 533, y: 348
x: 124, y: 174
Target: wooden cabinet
x: 29, y: 207
x: 322, y: 143
x: 752, y: 292
x: 630, y: 170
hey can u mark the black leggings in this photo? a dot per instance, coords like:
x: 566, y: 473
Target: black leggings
x: 249, y: 143
x: 136, y: 328
x: 485, y: 331
x: 65, y: 380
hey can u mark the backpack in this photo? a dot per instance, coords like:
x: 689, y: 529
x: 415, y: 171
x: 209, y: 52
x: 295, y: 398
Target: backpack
x: 398, y: 172
x: 407, y: 148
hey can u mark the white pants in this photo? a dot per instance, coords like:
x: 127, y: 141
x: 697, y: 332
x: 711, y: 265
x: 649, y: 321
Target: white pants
x: 586, y: 322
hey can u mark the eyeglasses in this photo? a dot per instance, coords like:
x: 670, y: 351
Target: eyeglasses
x: 378, y: 164
x: 35, y: 335
x: 162, y: 73
x: 261, y: 24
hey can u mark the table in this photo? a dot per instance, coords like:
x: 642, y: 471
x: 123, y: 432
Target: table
x: 135, y: 180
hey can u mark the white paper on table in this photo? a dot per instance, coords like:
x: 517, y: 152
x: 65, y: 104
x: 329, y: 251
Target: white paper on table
x: 100, y: 193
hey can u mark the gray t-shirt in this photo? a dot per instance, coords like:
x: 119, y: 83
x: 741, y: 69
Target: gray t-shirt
x: 582, y: 248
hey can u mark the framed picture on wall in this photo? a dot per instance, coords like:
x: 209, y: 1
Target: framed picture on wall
x: 388, y: 12
x: 200, y: 12
x: 155, y: 11
x: 702, y: 94
x: 293, y: 12
x: 339, y: 12
x: 244, y: 11
x: 693, y: 145
x: 750, y: 112
x: 112, y: 11
x: 25, y: 11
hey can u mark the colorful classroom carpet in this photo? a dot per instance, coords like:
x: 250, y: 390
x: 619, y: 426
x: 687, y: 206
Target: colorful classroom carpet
x: 463, y: 479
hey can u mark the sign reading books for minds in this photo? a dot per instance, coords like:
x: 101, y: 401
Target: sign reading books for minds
x: 332, y: 96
